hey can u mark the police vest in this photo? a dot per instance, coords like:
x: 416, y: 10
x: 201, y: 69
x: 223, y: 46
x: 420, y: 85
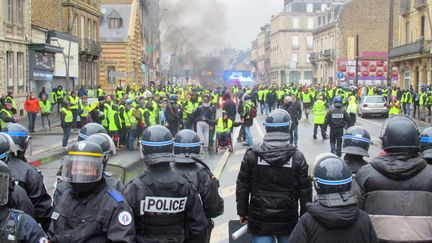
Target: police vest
x: 221, y: 128
x: 68, y: 118
x: 73, y: 102
x: 10, y: 224
x: 45, y: 107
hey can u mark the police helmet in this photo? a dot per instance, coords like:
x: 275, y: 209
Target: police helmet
x: 5, y: 183
x: 331, y: 174
x: 83, y: 163
x: 278, y: 121
x: 338, y: 100
x: 173, y: 98
x: 357, y: 141
x: 156, y: 145
x: 425, y: 140
x: 7, y: 146
x: 19, y: 135
x: 128, y: 101
x: 106, y: 143
x: 400, y: 134
x: 90, y: 129
x: 187, y: 143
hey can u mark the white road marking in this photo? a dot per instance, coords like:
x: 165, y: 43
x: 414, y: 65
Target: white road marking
x: 219, y: 233
x: 228, y: 191
x: 234, y: 168
x: 222, y: 162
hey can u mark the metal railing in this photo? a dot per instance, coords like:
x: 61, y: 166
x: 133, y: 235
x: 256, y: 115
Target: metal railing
x: 420, y: 3
x: 90, y: 46
x: 405, y: 6
x: 418, y: 47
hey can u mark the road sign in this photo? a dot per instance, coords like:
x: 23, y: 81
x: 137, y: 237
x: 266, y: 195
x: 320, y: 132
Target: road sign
x: 340, y: 76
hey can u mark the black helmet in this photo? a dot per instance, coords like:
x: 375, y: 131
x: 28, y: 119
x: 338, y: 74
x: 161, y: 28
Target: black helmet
x: 331, y: 174
x: 19, y: 134
x: 338, y: 100
x: 106, y: 143
x: 356, y: 141
x: 83, y: 163
x: 5, y: 183
x: 7, y: 146
x: 278, y: 121
x: 400, y: 134
x: 425, y: 140
x: 156, y: 145
x: 90, y: 129
x: 186, y: 142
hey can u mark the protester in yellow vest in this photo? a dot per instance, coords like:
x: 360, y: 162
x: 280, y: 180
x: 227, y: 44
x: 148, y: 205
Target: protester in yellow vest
x: 352, y: 110
x: 132, y: 116
x: 395, y: 107
x: 66, y: 118
x: 6, y: 115
x: 306, y: 98
x: 45, y: 111
x: 422, y: 104
x: 84, y: 109
x: 74, y: 100
x: 319, y: 111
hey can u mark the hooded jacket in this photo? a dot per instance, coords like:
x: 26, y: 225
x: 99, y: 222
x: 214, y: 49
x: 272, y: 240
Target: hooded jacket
x: 334, y: 224
x: 275, y: 176
x: 396, y: 190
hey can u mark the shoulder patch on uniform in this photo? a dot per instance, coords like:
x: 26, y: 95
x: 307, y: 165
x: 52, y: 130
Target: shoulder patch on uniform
x: 43, y: 240
x: 55, y: 215
x: 125, y: 218
x: 116, y: 195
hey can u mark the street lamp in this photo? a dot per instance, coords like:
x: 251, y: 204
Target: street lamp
x: 66, y: 60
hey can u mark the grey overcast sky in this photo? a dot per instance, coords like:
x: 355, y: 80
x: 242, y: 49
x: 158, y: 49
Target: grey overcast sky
x: 245, y: 17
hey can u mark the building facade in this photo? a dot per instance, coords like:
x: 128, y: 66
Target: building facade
x: 291, y: 42
x: 121, y: 41
x: 412, y: 52
x: 263, y: 59
x: 15, y: 31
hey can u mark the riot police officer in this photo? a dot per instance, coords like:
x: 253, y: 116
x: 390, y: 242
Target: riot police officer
x: 27, y: 176
x: 356, y: 143
x: 425, y: 140
x: 335, y: 216
x: 166, y: 205
x: 396, y: 188
x: 90, y: 129
x: 337, y: 118
x: 16, y: 226
x: 108, y: 148
x: 272, y: 174
x: 187, y: 146
x: 90, y: 211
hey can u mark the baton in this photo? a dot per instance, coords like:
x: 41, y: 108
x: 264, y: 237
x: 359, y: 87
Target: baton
x: 240, y: 232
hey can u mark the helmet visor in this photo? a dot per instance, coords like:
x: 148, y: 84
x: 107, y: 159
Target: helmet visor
x: 82, y: 169
x: 4, y: 188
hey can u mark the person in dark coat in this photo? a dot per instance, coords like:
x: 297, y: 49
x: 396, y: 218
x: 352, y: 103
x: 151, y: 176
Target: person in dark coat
x: 335, y: 216
x: 273, y: 177
x: 229, y: 106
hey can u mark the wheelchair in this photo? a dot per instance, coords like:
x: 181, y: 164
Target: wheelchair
x: 223, y: 145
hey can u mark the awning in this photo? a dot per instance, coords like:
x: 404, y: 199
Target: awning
x: 45, y: 48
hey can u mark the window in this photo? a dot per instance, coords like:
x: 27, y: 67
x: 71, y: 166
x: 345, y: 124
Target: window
x: 75, y: 25
x: 307, y: 57
x: 114, y: 23
x: 309, y: 40
x: 295, y: 43
x: 294, y: 58
x: 9, y: 11
x: 310, y: 23
x: 89, y: 29
x: 295, y: 23
x: 323, y: 7
x: 407, y: 79
x: 20, y: 12
x: 407, y: 32
x: 309, y: 7
x: 422, y: 26
x: 307, y: 75
x: 111, y: 74
x: 82, y: 33
x: 95, y: 27
x: 20, y: 69
x: 10, y: 69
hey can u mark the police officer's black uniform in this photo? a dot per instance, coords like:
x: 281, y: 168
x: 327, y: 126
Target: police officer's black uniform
x: 166, y: 205
x: 15, y: 225
x: 335, y: 216
x: 337, y: 118
x: 273, y: 177
x: 396, y: 188
x: 187, y: 146
x: 356, y: 143
x: 425, y: 140
x: 90, y: 211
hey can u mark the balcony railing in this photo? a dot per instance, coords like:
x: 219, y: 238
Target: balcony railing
x: 328, y: 54
x: 419, y: 47
x: 90, y: 46
x: 313, y: 57
x: 405, y: 6
x: 420, y: 4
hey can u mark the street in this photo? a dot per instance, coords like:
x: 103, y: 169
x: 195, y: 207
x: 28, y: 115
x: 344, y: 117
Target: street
x: 227, y: 165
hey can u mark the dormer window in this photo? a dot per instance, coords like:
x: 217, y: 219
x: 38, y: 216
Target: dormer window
x: 114, y: 20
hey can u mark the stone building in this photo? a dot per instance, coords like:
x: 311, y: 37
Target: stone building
x: 412, y: 52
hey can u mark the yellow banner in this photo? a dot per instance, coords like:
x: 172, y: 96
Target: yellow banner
x: 351, y: 48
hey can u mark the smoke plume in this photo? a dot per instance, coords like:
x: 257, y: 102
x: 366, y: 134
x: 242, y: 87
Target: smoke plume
x: 192, y: 29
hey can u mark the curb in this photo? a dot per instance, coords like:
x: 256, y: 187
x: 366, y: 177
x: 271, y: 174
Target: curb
x: 55, y: 152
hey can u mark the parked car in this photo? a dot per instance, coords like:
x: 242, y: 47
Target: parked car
x: 373, y: 105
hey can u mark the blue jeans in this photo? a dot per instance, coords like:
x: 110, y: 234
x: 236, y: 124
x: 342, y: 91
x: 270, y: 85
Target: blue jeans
x: 249, y: 139
x: 66, y: 135
x: 31, y: 119
x: 269, y: 239
x: 131, y: 136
